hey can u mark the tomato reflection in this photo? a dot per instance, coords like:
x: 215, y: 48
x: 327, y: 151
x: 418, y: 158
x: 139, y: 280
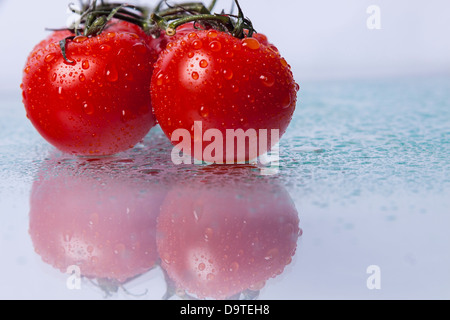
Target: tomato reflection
x: 84, y: 215
x: 221, y: 236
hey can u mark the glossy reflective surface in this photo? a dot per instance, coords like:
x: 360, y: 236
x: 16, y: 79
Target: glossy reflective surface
x: 359, y: 208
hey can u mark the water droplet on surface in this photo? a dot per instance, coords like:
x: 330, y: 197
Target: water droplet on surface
x: 203, y: 63
x: 119, y: 248
x: 251, y: 43
x: 82, y: 77
x: 190, y: 54
x: 271, y: 254
x: 209, y: 232
x: 54, y: 76
x: 201, y: 266
x: 210, y: 277
x: 234, y: 267
x: 195, y: 75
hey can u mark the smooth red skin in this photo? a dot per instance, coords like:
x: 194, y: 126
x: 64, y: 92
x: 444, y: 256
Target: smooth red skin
x: 242, y: 101
x: 100, y: 109
x: 215, y: 241
x: 104, y: 225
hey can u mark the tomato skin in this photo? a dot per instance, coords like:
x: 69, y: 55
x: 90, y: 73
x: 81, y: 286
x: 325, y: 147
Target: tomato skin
x: 217, y: 241
x: 224, y: 82
x: 105, y: 225
x: 97, y: 105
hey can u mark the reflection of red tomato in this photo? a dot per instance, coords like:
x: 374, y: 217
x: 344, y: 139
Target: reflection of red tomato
x: 103, y: 224
x: 216, y: 242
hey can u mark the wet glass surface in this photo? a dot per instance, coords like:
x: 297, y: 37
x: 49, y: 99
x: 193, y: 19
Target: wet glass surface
x: 361, y: 199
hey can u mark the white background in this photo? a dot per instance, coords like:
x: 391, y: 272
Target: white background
x: 321, y: 39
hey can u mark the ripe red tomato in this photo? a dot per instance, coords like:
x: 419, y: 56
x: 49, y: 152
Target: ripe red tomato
x: 225, y: 83
x: 98, y: 103
x: 104, y: 224
x: 217, y: 240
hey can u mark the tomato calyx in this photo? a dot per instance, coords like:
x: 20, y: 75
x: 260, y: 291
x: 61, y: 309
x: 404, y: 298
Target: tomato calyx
x: 237, y: 25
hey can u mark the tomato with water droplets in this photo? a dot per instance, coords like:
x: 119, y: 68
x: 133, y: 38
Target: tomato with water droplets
x: 224, y: 83
x: 96, y: 101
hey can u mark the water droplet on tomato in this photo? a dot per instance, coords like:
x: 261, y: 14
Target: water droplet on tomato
x: 80, y: 39
x: 90, y: 249
x: 27, y: 69
x: 228, y: 74
x: 54, y: 76
x: 60, y: 90
x: 140, y: 48
x: 88, y: 109
x: 210, y: 277
x: 159, y: 79
x: 251, y: 43
x: 85, y: 64
x: 212, y: 34
x: 195, y: 75
x: 192, y: 35
x: 82, y: 77
x: 203, y: 63
x: 190, y: 54
x: 283, y: 62
x: 105, y: 48
x: 111, y: 73
x: 49, y: 57
x: 286, y: 102
x: 215, y: 46
x: 197, y: 44
x: 297, y: 87
x: 267, y: 79
x: 204, y: 112
x: 111, y: 34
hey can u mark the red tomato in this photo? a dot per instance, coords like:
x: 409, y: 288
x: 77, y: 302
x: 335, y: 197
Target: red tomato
x: 97, y: 104
x: 225, y: 83
x: 104, y: 224
x: 218, y: 239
